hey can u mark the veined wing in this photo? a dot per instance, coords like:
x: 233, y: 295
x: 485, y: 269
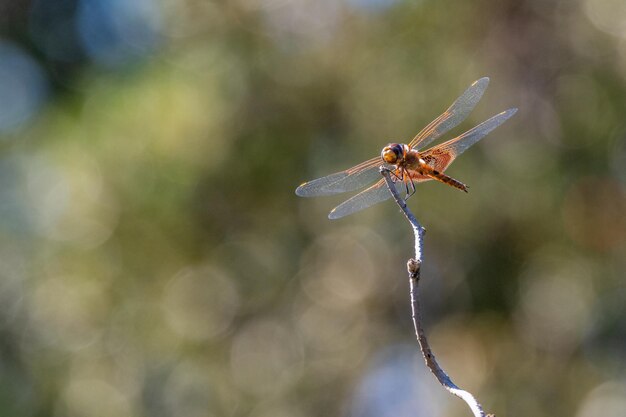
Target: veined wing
x: 344, y: 181
x: 373, y: 195
x: 455, y: 114
x: 442, y: 155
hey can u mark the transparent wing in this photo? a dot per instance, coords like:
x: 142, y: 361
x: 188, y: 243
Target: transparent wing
x: 442, y: 155
x: 367, y: 172
x: 373, y: 195
x: 344, y: 181
x: 455, y: 114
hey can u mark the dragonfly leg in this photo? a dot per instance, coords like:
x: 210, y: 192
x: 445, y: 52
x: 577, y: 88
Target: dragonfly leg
x: 400, y: 175
x: 394, y: 174
x: 409, y: 184
x: 391, y: 172
x: 397, y: 177
x: 406, y: 190
x: 410, y: 188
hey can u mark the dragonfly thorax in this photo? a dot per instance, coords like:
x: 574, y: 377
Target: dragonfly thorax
x: 394, y: 153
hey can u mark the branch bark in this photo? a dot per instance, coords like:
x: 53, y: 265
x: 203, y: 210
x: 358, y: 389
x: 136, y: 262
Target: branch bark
x: 414, y: 266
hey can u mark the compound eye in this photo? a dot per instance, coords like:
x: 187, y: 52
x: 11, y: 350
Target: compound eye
x: 389, y: 155
x: 397, y: 148
x: 392, y: 153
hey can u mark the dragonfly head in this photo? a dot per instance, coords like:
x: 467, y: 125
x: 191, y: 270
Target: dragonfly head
x: 392, y: 153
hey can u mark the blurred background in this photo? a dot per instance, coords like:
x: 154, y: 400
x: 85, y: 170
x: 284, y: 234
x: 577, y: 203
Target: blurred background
x: 154, y: 260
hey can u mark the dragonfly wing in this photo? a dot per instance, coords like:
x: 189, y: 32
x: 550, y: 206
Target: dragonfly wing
x: 317, y: 187
x: 373, y: 195
x: 455, y: 114
x: 442, y: 155
x: 344, y: 181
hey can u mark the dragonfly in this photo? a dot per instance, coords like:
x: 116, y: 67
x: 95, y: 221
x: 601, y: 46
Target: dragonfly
x: 407, y: 163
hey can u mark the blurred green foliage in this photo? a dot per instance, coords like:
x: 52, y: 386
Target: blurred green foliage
x: 154, y: 260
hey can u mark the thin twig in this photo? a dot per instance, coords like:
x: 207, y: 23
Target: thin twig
x: 414, y: 266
